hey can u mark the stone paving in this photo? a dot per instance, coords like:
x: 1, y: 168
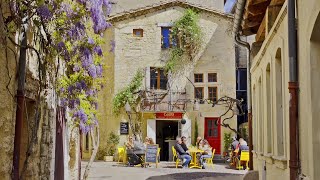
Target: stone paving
x: 165, y: 171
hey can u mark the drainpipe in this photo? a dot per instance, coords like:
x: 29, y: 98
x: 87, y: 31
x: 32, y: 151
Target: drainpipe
x: 236, y: 27
x: 20, y: 102
x: 293, y: 87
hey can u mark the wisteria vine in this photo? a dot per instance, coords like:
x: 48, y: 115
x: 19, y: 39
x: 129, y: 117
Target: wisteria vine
x: 73, y: 33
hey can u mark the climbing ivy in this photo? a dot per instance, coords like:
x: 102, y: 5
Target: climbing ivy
x: 188, y: 35
x: 128, y: 93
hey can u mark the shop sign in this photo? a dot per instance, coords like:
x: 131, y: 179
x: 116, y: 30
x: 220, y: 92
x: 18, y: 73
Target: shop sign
x: 169, y: 115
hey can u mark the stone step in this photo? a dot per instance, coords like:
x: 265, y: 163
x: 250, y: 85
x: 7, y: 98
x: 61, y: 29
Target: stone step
x: 218, y: 159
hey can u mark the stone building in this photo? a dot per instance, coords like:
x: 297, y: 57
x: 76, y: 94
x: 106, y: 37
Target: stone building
x: 274, y: 158
x: 139, y: 36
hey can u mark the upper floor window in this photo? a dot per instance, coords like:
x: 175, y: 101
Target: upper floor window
x: 212, y: 77
x: 158, y: 78
x: 138, y: 32
x: 167, y: 41
x: 198, y: 78
x: 213, y: 94
x: 198, y: 92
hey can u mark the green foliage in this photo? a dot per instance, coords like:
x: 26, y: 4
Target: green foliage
x: 227, y: 141
x: 112, y: 142
x: 196, y: 132
x: 244, y: 133
x: 188, y: 36
x: 127, y: 94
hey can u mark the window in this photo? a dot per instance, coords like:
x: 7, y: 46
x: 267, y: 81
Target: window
x: 212, y: 77
x: 198, y: 78
x: 241, y: 79
x: 138, y: 32
x: 158, y: 79
x: 198, y: 93
x: 167, y: 41
x: 213, y: 94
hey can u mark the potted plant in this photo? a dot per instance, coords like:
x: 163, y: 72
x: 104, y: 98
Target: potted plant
x: 227, y: 143
x: 112, y: 142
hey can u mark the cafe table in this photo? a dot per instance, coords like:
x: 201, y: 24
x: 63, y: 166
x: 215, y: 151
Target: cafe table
x: 193, y: 152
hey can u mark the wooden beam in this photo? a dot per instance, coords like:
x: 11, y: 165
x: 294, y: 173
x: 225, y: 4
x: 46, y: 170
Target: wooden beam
x: 261, y: 34
x: 258, y: 8
x: 277, y: 2
x: 271, y: 16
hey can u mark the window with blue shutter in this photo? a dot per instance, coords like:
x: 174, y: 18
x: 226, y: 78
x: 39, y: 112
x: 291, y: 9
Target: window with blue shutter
x: 167, y: 41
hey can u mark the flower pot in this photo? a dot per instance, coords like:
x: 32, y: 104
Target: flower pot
x: 108, y: 158
x: 225, y: 154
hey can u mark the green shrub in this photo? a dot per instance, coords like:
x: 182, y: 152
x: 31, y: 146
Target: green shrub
x: 227, y: 141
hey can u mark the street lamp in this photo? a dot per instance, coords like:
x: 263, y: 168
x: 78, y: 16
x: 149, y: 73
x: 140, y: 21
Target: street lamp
x: 127, y: 107
x: 196, y: 106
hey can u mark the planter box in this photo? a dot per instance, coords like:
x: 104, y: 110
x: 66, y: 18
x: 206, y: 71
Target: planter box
x: 108, y: 158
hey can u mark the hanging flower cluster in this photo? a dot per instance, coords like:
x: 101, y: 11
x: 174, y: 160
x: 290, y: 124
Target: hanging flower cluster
x: 74, y: 33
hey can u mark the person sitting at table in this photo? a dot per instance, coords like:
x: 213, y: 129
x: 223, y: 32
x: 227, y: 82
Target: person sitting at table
x: 130, y: 143
x: 184, y: 144
x: 151, y: 141
x: 207, y: 151
x: 146, y: 141
x: 186, y: 158
x: 199, y: 139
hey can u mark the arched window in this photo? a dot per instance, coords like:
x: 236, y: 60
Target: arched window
x: 279, y: 103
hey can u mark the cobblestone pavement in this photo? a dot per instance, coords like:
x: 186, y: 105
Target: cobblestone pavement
x: 165, y: 171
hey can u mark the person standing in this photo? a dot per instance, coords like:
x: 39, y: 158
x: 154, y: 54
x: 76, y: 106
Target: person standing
x: 186, y: 158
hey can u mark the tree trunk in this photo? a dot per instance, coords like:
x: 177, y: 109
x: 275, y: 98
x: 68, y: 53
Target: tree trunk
x: 95, y: 144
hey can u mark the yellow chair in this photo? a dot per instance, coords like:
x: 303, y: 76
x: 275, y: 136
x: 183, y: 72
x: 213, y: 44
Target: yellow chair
x: 121, y: 154
x: 244, y: 156
x: 175, y: 156
x: 210, y: 160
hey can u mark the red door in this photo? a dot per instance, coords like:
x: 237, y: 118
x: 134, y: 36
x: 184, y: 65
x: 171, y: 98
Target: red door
x: 212, y: 134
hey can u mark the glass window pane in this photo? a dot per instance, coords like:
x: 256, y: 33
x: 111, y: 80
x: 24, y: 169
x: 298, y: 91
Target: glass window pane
x: 198, y: 78
x: 198, y: 92
x: 212, y: 77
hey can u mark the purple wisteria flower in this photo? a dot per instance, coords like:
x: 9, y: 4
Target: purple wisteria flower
x: 86, y: 58
x: 98, y: 50
x: 81, y: 115
x: 44, y: 12
x: 63, y: 102
x: 90, y: 92
x: 99, y: 70
x: 92, y: 71
x: 66, y: 7
x: 76, y: 68
x: 90, y: 40
x: 98, y: 15
x: 73, y: 103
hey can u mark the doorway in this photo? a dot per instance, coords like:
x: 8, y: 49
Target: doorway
x: 166, y: 132
x: 212, y: 134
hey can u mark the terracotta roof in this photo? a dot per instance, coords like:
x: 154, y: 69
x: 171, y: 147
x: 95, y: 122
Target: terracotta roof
x: 163, y: 5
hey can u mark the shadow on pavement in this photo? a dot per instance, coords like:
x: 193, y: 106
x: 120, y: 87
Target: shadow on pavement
x: 197, y: 176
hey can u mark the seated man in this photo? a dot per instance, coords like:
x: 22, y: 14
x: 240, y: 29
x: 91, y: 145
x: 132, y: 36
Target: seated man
x: 186, y: 158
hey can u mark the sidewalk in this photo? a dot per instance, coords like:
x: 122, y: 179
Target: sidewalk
x: 165, y: 171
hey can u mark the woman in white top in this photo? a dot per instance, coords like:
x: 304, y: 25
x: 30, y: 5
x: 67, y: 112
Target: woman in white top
x: 207, y: 151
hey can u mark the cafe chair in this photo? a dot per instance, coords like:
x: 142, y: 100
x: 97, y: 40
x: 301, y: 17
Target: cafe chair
x: 210, y: 160
x: 121, y: 154
x: 244, y: 157
x: 175, y: 157
x: 158, y: 154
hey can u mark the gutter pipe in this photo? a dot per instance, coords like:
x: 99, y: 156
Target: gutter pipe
x: 236, y: 27
x: 293, y: 87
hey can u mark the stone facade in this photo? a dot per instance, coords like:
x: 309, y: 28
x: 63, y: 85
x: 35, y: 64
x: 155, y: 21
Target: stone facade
x: 270, y: 77
x: 133, y: 53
